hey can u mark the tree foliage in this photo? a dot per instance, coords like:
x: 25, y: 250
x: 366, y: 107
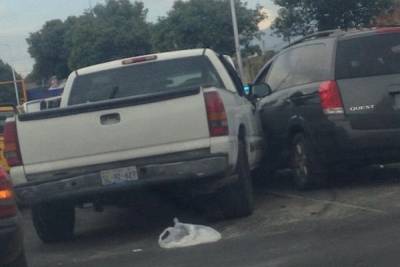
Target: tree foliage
x: 48, y: 49
x: 7, y: 92
x: 301, y: 17
x: 206, y: 23
x: 119, y: 29
x: 112, y: 30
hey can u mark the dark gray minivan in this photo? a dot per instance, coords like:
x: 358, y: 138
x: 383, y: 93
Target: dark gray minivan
x: 332, y: 100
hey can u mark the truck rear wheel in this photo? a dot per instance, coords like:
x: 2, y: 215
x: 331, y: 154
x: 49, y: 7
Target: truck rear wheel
x: 236, y: 199
x: 54, y: 222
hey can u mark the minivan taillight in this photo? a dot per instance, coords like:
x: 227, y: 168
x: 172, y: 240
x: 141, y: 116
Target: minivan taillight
x: 8, y: 207
x: 329, y: 94
x: 11, y: 145
x: 217, y: 120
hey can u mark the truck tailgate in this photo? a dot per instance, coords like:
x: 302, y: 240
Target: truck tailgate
x: 63, y: 139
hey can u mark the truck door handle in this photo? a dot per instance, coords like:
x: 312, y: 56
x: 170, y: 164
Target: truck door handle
x: 108, y: 119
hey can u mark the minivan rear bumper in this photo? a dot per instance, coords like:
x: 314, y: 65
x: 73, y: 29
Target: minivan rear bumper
x: 90, y: 185
x: 339, y: 143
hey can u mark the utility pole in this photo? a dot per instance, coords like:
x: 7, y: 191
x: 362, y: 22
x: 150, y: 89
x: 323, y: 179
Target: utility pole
x: 236, y: 36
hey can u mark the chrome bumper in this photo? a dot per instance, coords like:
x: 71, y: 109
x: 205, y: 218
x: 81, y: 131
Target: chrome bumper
x: 150, y: 174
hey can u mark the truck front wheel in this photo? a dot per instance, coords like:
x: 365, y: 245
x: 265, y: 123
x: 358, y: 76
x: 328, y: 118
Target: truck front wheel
x: 236, y: 199
x: 54, y: 222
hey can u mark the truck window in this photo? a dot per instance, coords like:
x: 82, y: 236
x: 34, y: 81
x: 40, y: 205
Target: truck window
x: 147, y: 78
x: 368, y: 56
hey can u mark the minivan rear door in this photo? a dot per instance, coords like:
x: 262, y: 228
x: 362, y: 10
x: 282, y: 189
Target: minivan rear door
x: 368, y: 75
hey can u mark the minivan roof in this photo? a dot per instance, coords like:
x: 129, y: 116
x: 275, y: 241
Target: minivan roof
x: 342, y: 34
x: 369, y: 31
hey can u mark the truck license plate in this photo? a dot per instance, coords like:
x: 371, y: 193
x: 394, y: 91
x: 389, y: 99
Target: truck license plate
x: 117, y: 176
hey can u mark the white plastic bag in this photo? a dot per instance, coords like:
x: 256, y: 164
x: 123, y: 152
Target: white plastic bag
x: 185, y: 235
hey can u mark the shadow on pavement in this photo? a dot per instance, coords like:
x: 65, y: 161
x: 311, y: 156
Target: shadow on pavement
x: 138, y: 226
x: 365, y: 177
x: 138, y: 222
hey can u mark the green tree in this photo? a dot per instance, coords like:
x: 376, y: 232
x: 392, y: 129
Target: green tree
x: 206, y: 23
x: 47, y: 48
x: 114, y: 30
x: 7, y: 92
x: 301, y: 17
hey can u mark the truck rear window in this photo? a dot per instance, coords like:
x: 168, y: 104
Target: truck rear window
x: 368, y: 56
x: 144, y: 78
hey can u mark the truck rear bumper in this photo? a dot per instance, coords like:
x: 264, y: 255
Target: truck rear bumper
x: 151, y: 174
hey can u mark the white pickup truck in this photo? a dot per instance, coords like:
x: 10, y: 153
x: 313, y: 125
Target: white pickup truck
x: 170, y: 118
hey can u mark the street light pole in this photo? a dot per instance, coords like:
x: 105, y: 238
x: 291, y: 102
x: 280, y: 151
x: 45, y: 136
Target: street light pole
x: 14, y: 77
x: 236, y: 36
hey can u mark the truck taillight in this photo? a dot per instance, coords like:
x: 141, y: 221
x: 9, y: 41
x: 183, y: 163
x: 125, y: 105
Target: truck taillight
x: 329, y: 94
x: 11, y: 145
x: 217, y: 120
x: 8, y: 207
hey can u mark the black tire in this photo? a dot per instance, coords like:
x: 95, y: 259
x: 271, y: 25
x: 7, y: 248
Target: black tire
x: 308, y: 173
x: 20, y: 261
x: 236, y: 199
x: 54, y: 222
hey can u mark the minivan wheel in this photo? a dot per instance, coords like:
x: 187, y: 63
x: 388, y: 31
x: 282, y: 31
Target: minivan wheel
x: 307, y: 170
x: 54, y: 222
x: 236, y: 199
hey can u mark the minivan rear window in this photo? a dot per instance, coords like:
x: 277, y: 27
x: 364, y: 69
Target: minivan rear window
x: 368, y: 56
x: 144, y: 78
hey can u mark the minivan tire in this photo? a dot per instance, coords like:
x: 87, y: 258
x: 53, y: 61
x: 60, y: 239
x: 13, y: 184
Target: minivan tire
x: 236, y: 199
x: 308, y: 172
x: 54, y: 222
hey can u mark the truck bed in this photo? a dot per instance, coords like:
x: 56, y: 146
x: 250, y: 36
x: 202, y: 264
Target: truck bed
x: 112, y: 131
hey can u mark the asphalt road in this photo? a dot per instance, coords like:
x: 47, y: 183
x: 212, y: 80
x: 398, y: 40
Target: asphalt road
x: 354, y: 222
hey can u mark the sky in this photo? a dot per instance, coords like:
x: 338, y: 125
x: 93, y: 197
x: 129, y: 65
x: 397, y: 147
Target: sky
x: 18, y: 18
